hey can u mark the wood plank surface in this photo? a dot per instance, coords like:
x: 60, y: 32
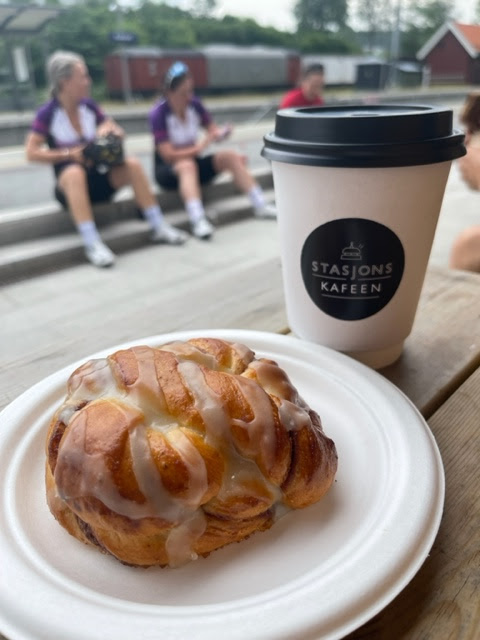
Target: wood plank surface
x: 49, y: 322
x: 444, y: 346
x: 442, y: 602
x: 51, y: 331
x: 77, y: 334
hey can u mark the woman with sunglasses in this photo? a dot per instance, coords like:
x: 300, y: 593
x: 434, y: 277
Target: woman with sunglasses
x: 180, y: 162
x: 60, y: 131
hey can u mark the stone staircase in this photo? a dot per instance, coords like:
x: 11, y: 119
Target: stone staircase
x: 43, y: 239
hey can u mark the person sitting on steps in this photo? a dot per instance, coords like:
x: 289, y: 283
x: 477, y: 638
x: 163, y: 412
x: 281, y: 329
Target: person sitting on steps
x: 60, y: 131
x: 175, y: 122
x: 465, y: 252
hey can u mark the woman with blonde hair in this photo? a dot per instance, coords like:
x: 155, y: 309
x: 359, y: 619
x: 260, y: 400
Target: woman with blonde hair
x: 62, y: 128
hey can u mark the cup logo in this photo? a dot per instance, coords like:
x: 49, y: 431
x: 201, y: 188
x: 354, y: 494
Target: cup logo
x: 351, y: 267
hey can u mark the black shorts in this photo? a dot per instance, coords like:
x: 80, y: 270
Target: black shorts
x: 99, y: 188
x: 167, y: 178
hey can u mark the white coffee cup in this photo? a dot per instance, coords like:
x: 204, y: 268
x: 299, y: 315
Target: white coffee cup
x: 358, y: 192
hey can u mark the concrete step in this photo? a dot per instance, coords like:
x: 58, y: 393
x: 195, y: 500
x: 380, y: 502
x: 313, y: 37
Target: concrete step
x: 62, y: 248
x: 45, y: 220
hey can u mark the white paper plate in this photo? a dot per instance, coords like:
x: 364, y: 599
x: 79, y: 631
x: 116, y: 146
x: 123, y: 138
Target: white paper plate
x: 318, y: 573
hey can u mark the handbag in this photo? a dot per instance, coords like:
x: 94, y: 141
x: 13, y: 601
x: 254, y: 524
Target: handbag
x: 104, y: 152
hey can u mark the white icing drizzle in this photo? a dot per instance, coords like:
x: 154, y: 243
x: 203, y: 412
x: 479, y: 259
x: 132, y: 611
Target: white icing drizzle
x: 93, y: 478
x: 92, y: 381
x: 293, y: 410
x: 292, y: 417
x: 162, y: 503
x: 146, y: 392
x: 218, y: 429
x: 241, y: 478
x: 186, y: 351
x: 195, y: 464
x: 181, y: 539
x: 207, y: 403
x: 66, y: 413
x: 243, y: 351
x: 262, y: 438
x: 242, y: 475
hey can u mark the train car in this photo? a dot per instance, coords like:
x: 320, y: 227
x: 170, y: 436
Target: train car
x: 231, y: 67
x: 215, y: 68
x: 141, y: 70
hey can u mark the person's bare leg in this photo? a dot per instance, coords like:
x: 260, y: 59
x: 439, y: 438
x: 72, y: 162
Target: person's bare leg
x: 188, y: 183
x: 73, y: 183
x: 235, y: 163
x: 465, y: 252
x: 132, y: 173
x: 191, y: 194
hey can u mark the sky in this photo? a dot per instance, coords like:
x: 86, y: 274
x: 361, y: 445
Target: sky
x: 268, y: 13
x: 279, y: 13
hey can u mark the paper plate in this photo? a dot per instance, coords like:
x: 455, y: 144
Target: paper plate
x: 319, y: 572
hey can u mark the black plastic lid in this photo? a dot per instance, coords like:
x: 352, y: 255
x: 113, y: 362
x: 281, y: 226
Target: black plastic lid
x: 386, y: 135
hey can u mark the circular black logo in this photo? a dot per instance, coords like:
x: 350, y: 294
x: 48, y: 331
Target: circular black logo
x: 352, y: 267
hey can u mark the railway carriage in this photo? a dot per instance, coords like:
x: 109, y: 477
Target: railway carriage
x: 215, y: 68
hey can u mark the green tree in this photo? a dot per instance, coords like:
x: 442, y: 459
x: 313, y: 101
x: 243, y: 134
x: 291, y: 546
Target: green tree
x: 427, y: 15
x: 315, y: 42
x: 204, y: 8
x: 85, y: 29
x: 420, y: 20
x: 321, y: 15
x: 375, y: 16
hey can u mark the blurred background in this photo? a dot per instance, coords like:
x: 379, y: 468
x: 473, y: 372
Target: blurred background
x: 239, y: 46
x: 244, y: 56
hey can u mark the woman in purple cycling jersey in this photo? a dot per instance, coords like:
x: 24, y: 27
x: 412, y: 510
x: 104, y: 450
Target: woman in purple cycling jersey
x: 61, y: 129
x: 180, y: 162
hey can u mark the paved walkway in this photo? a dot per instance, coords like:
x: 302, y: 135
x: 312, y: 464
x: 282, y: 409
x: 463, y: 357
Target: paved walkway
x: 108, y: 296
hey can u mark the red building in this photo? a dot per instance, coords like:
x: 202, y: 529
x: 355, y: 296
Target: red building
x: 453, y: 54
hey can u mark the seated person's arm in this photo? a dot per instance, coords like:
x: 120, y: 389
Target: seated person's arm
x: 171, y: 154
x: 218, y: 133
x: 36, y: 150
x: 110, y: 126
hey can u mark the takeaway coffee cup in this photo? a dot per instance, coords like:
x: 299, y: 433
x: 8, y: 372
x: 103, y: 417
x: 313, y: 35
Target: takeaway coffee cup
x: 358, y: 192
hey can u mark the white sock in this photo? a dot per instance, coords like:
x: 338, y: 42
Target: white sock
x: 195, y: 210
x: 88, y: 231
x: 256, y: 197
x: 154, y: 216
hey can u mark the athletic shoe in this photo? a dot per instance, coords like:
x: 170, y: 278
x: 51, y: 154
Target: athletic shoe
x: 267, y: 211
x: 99, y: 254
x: 202, y: 229
x: 167, y: 234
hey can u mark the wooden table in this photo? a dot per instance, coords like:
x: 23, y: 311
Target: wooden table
x: 439, y: 371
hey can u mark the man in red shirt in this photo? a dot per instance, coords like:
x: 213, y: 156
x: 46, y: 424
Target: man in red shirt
x: 309, y: 93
